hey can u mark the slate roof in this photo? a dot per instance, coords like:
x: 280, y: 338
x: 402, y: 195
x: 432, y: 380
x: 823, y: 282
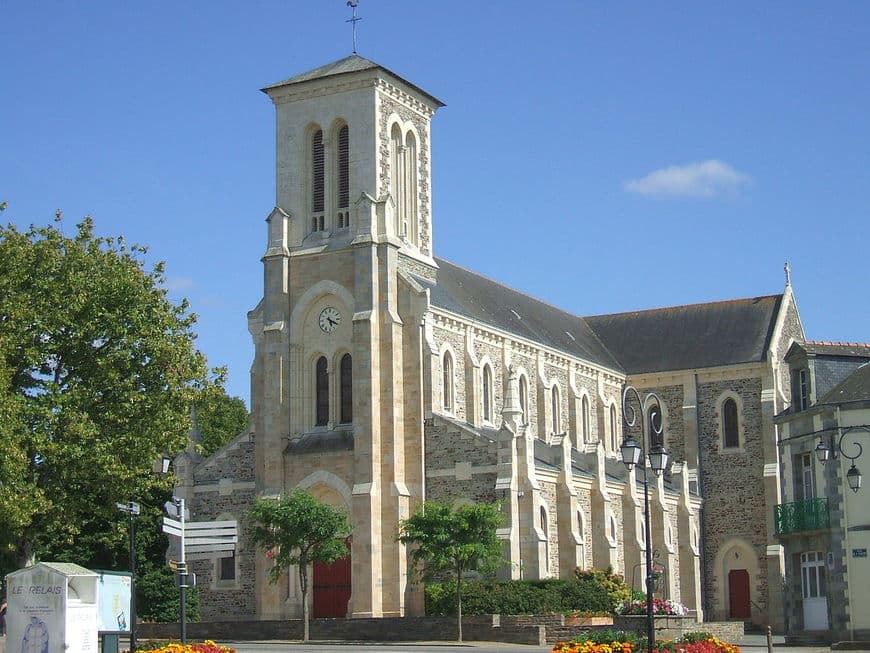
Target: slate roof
x: 474, y: 296
x: 352, y: 64
x: 855, y: 387
x: 322, y: 441
x: 689, y: 337
x: 827, y: 348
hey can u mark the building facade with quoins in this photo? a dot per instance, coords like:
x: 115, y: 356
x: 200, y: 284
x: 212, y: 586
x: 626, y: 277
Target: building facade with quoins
x: 384, y: 376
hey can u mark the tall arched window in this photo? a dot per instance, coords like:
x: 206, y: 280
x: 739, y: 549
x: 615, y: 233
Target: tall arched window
x: 656, y: 426
x: 614, y: 438
x: 556, y: 409
x: 730, y: 425
x: 397, y: 179
x: 343, y: 177
x: 581, y: 532
x: 317, y: 181
x: 546, y: 531
x: 487, y: 393
x: 584, y: 418
x: 321, y: 392
x: 411, y: 186
x: 524, y: 398
x: 345, y: 389
x: 447, y: 381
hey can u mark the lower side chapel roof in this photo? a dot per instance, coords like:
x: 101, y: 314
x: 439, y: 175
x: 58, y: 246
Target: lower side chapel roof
x: 674, y: 338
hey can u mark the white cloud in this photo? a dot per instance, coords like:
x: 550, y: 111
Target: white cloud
x: 179, y: 283
x: 704, y: 179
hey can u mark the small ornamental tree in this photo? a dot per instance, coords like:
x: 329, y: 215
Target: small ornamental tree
x: 450, y: 540
x: 297, y: 529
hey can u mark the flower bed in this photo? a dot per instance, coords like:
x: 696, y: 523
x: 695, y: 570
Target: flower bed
x: 691, y: 643
x: 207, y: 646
x: 660, y: 607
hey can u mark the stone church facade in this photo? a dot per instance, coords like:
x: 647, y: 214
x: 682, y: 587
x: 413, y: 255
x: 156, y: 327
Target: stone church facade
x: 384, y: 376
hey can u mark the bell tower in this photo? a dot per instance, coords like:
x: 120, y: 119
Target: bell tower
x: 353, y: 137
x: 335, y: 343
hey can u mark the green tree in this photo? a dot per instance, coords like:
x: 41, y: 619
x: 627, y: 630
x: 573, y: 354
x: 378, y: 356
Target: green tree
x: 299, y: 530
x: 450, y: 540
x: 219, y: 417
x: 97, y: 373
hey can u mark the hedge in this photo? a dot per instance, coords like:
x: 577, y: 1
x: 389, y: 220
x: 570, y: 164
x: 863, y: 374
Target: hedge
x: 519, y: 597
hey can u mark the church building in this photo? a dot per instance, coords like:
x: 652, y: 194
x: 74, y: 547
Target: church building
x: 384, y: 376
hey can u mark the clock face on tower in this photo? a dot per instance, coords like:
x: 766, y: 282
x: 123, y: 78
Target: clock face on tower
x: 330, y: 318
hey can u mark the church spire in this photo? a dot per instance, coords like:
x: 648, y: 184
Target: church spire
x: 787, y: 269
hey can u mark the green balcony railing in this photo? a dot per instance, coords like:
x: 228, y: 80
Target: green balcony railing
x: 809, y: 515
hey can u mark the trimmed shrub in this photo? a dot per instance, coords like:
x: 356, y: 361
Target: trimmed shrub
x: 520, y: 597
x: 157, y: 598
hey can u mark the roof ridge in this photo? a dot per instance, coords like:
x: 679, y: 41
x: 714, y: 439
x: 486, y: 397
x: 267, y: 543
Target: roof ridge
x: 832, y: 343
x: 693, y: 305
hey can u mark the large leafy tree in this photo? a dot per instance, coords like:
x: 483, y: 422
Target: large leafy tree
x: 219, y: 417
x: 98, y: 370
x: 297, y: 530
x: 450, y: 540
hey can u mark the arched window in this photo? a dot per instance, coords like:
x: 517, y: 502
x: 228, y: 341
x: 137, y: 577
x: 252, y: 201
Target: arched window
x: 546, y: 531
x: 556, y: 409
x: 411, y: 186
x: 447, y: 381
x: 487, y: 393
x: 524, y: 398
x: 584, y: 418
x: 730, y: 425
x: 397, y: 179
x: 343, y: 177
x: 614, y: 438
x: 317, y: 181
x: 321, y: 392
x: 656, y: 426
x: 581, y: 533
x: 345, y: 389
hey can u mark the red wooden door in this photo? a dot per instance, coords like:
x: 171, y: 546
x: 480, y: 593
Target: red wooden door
x: 332, y: 588
x: 738, y: 594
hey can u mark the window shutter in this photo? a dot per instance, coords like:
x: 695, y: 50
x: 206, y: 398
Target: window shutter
x: 317, y: 172
x: 343, y: 168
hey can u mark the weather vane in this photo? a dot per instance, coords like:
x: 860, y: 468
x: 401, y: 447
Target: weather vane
x: 353, y: 4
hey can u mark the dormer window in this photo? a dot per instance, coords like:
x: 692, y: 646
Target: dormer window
x: 801, y: 389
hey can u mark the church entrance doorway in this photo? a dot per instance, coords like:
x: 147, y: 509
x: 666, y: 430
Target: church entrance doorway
x: 332, y: 587
x: 738, y: 594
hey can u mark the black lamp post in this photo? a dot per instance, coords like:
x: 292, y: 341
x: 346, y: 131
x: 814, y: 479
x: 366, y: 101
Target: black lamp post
x: 131, y: 508
x: 656, y: 458
x: 825, y: 451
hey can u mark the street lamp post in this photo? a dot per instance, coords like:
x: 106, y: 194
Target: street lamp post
x: 825, y: 451
x: 656, y: 457
x: 131, y: 508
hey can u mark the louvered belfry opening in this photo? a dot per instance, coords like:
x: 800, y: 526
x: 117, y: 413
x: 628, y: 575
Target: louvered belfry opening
x: 317, y: 180
x: 343, y: 178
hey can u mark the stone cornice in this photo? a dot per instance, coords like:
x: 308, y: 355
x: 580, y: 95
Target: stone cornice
x: 528, y: 347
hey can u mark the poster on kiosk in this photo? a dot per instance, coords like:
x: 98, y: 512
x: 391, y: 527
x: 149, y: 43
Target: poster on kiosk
x: 51, y: 608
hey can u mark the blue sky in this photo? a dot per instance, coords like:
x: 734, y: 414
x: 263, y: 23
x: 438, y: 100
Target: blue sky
x: 604, y: 157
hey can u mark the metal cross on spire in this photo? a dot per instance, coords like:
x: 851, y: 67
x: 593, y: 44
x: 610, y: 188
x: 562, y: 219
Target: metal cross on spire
x: 353, y: 4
